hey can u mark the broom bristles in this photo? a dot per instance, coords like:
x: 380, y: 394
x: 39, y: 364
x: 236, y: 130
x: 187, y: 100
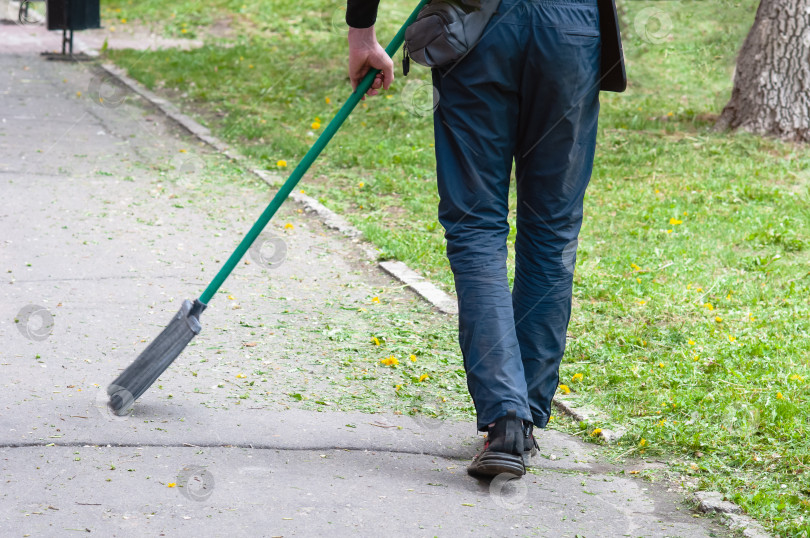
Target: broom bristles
x: 153, y: 361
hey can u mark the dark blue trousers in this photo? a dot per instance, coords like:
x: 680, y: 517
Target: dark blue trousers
x: 528, y: 93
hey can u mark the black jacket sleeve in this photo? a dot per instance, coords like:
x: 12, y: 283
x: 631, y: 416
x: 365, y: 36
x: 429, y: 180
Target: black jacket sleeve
x: 361, y: 13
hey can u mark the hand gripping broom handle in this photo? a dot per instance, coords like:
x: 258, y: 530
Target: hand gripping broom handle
x: 304, y: 165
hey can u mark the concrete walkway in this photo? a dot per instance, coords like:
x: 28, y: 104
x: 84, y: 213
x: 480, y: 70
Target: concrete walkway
x: 100, y: 240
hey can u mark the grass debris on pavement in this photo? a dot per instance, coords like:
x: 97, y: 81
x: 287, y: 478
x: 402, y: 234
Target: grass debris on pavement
x: 692, y: 286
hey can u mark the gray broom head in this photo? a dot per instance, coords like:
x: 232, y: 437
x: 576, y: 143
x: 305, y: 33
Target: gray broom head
x: 154, y: 360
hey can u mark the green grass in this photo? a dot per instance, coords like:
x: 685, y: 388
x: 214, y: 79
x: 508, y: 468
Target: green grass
x: 677, y: 218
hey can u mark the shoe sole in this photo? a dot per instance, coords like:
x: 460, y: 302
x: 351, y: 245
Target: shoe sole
x: 491, y: 464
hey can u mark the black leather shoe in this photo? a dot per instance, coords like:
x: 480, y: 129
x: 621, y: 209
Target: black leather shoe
x: 503, y: 451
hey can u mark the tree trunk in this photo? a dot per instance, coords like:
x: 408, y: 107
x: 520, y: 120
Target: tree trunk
x: 771, y: 92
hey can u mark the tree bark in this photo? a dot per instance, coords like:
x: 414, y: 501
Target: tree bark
x: 771, y: 92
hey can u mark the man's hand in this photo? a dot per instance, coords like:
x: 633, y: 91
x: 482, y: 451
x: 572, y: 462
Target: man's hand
x: 365, y: 53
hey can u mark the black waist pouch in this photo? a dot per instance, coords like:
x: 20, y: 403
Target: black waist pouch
x: 445, y: 30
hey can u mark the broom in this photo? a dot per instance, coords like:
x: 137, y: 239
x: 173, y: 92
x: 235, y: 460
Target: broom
x: 185, y: 325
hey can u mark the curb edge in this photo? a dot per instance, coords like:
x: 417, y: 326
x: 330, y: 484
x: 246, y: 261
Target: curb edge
x: 588, y: 414
x: 730, y: 514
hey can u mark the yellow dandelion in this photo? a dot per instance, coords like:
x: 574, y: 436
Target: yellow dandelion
x: 171, y: 485
x: 361, y: 185
x: 674, y: 222
x: 708, y: 305
x: 78, y: 94
x: 642, y: 302
x: 696, y: 358
x: 423, y: 377
x: 375, y: 341
x: 638, y: 280
x: 281, y: 163
x: 327, y: 100
x: 183, y: 31
x: 596, y: 432
x: 564, y: 389
x: 375, y: 300
x: 231, y: 297
x: 240, y: 376
x: 731, y: 338
x: 643, y: 442
x: 661, y: 365
x: 413, y: 358
x: 288, y: 226
x: 779, y: 396
x: 669, y: 231
x: 315, y: 125
x: 691, y: 342
x: 718, y: 319
x: 636, y: 267
x: 797, y: 378
x: 397, y: 387
x: 390, y: 361
x: 577, y: 377
x: 699, y: 289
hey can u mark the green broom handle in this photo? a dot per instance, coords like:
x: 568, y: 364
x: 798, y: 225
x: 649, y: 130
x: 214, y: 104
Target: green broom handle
x: 304, y: 165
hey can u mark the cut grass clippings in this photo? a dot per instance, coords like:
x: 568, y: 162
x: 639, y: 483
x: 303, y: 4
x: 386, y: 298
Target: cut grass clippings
x: 692, y: 284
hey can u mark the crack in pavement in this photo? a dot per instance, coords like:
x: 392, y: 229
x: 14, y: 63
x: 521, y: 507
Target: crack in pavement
x: 589, y: 470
